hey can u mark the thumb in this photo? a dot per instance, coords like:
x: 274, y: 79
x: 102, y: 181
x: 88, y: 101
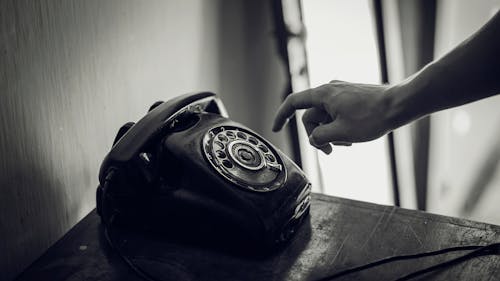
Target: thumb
x: 326, y: 133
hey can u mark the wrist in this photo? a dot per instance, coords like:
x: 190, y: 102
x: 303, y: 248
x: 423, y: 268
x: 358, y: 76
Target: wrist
x: 411, y: 99
x: 400, y: 108
x: 393, y: 107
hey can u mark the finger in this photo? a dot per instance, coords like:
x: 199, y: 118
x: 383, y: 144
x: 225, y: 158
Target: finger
x: 331, y: 132
x: 311, y: 119
x: 326, y: 148
x: 300, y: 100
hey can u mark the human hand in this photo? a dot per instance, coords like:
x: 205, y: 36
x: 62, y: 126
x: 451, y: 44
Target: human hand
x: 339, y: 113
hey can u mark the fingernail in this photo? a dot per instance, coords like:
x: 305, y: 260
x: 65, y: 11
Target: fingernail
x: 326, y: 150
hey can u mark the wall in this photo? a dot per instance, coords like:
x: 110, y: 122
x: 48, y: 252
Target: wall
x: 71, y: 72
x: 251, y: 76
x: 464, y: 170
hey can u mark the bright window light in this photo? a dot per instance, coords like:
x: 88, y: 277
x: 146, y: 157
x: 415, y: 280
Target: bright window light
x: 341, y: 45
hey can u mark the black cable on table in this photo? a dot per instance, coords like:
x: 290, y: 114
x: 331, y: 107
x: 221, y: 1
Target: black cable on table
x: 491, y: 249
x: 477, y: 250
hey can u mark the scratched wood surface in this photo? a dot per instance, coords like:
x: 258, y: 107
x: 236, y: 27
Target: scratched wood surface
x: 340, y: 234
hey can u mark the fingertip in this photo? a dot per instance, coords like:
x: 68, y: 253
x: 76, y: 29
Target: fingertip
x: 327, y: 149
x: 314, y: 142
x: 311, y: 141
x: 280, y: 124
x: 276, y: 125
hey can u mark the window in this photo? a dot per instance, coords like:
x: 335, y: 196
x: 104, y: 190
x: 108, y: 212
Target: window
x: 341, y: 45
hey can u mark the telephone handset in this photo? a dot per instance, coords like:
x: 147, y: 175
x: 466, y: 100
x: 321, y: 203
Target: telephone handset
x: 161, y: 118
x: 186, y: 168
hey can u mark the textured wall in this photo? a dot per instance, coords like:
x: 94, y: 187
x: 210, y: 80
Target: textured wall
x: 71, y: 72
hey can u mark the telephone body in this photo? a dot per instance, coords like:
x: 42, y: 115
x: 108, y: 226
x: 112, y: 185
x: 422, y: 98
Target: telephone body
x: 185, y: 167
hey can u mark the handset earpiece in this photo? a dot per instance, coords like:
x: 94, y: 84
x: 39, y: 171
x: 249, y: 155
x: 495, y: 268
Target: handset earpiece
x: 154, y: 105
x: 147, y: 130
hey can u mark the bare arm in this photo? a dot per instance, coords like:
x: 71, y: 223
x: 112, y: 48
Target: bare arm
x: 468, y: 73
x: 342, y: 113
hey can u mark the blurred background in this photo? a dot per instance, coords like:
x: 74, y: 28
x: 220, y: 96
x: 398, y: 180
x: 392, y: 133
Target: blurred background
x: 72, y: 72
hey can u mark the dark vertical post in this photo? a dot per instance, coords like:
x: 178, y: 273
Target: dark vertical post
x: 379, y: 26
x: 418, y: 21
x: 282, y: 36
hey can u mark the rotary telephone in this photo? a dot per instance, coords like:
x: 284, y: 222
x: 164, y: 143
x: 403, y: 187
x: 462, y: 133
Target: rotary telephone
x: 185, y: 167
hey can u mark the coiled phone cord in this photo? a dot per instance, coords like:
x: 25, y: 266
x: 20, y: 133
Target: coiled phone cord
x: 476, y: 250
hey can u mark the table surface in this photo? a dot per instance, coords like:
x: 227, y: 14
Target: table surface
x: 339, y: 234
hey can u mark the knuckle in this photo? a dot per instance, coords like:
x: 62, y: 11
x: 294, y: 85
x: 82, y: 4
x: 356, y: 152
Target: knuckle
x: 305, y: 117
x: 323, y: 91
x: 292, y: 99
x: 312, y: 141
x: 287, y: 99
x: 314, y: 136
x: 323, y: 88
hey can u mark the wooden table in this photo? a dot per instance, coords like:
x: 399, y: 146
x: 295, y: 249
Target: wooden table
x: 340, y: 234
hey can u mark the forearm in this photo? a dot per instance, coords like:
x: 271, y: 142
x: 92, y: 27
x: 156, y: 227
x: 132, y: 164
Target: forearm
x: 469, y: 72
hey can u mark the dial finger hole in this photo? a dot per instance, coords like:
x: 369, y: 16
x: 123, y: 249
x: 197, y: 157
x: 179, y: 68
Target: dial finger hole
x: 263, y: 148
x: 222, y: 138
x: 218, y: 145
x: 253, y: 140
x: 270, y: 158
x: 228, y: 164
x: 220, y: 154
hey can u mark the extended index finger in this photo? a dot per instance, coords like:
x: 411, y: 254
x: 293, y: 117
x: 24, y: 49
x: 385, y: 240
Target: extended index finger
x: 299, y: 100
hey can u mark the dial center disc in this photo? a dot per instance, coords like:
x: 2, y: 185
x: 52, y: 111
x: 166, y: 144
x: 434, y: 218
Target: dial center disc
x: 244, y: 158
x: 246, y: 155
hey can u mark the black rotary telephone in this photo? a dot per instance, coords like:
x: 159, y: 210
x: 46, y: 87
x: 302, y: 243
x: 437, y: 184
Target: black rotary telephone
x: 186, y: 168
